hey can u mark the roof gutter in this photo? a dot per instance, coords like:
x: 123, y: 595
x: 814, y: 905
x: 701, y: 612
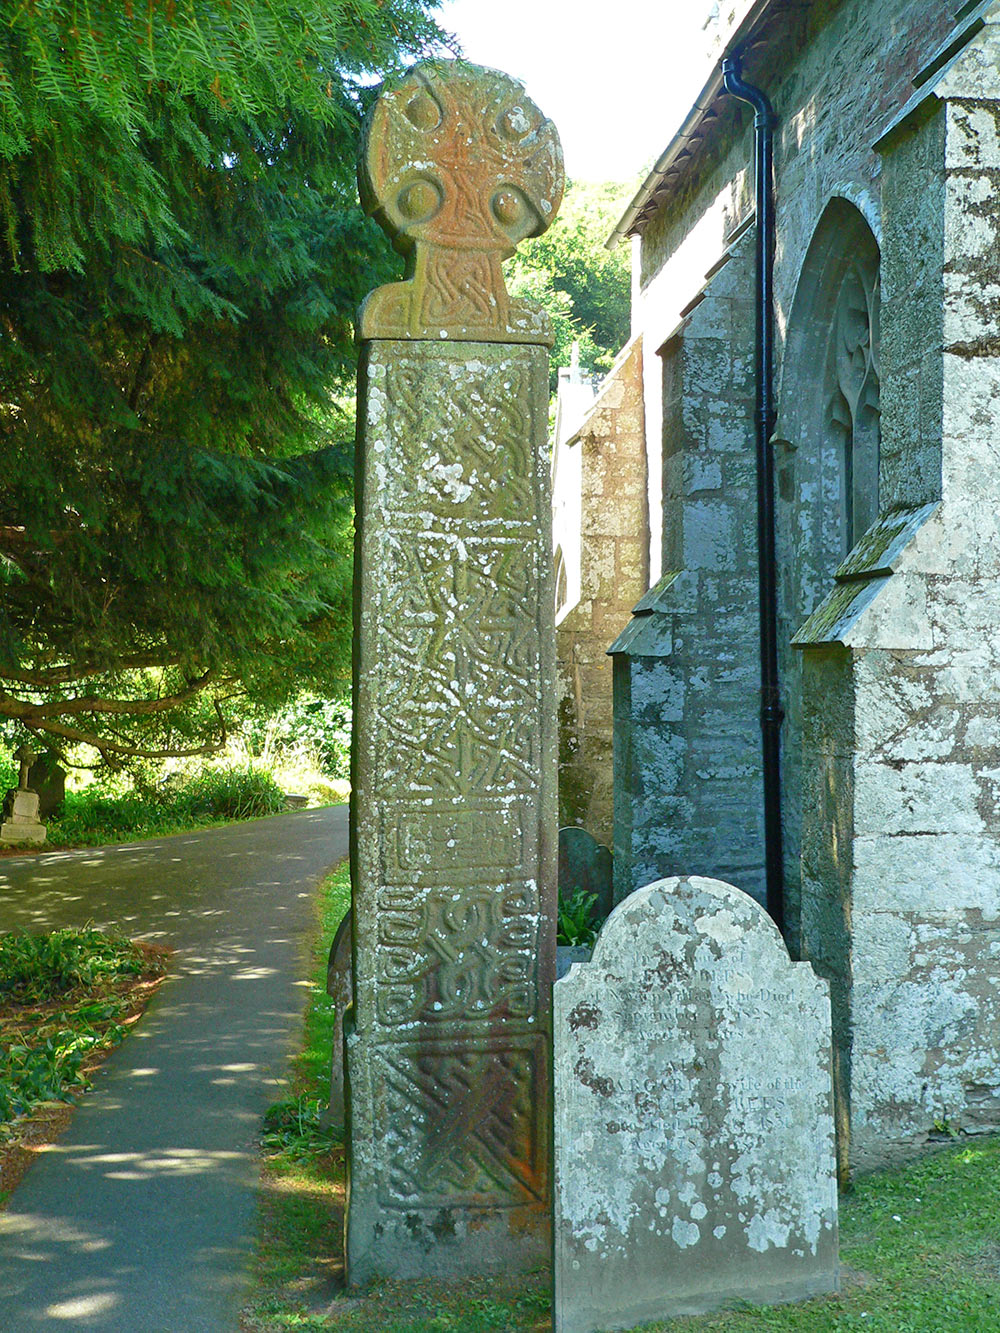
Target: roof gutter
x: 680, y: 144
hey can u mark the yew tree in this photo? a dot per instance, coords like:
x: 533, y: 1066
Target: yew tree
x: 181, y: 257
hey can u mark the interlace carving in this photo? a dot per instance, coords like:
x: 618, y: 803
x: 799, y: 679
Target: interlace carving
x: 477, y: 1116
x: 459, y: 167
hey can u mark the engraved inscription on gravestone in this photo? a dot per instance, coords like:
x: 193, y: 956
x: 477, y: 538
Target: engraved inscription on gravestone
x: 694, y: 1141
x: 453, y: 785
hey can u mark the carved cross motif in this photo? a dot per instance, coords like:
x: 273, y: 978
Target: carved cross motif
x: 26, y: 756
x: 458, y: 166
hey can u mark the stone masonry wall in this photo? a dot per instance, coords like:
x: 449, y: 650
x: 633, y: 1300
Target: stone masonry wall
x: 902, y: 892
x: 900, y: 699
x: 614, y: 572
x: 688, y: 768
x: 844, y: 70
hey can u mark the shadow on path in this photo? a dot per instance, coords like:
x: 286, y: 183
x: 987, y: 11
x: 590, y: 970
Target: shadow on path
x: 140, y: 1219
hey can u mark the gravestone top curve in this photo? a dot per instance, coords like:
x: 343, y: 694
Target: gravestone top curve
x: 585, y: 865
x: 730, y: 911
x: 458, y: 166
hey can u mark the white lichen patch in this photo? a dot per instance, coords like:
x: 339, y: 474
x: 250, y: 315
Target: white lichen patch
x: 684, y: 1234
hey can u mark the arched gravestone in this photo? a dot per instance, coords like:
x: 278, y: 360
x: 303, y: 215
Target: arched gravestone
x: 339, y: 985
x: 48, y: 778
x: 453, y: 812
x: 694, y: 1135
x: 585, y: 866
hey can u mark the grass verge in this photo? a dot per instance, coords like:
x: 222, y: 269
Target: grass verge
x: 67, y: 998
x: 95, y: 818
x: 920, y: 1245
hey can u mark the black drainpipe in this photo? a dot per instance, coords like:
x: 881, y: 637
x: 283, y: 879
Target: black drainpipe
x: 770, y: 699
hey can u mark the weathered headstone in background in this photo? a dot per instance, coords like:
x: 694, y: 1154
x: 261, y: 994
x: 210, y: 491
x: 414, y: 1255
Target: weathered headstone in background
x: 694, y: 1136
x: 584, y: 864
x: 454, y: 767
x: 48, y: 778
x: 339, y: 987
x: 20, y: 807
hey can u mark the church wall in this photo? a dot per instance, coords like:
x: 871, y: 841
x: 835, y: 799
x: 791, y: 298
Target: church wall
x: 613, y: 556
x: 918, y: 629
x: 688, y: 768
x: 845, y: 70
x: 900, y: 706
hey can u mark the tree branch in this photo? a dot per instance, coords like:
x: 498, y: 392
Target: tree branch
x: 29, y: 714
x: 108, y: 747
x: 48, y: 677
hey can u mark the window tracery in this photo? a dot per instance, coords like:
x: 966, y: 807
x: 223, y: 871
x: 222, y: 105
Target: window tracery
x: 854, y: 391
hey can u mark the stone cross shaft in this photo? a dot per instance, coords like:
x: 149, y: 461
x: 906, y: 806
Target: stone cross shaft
x: 454, y: 767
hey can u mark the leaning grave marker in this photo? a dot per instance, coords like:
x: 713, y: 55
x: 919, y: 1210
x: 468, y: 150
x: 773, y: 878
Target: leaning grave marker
x: 694, y: 1133
x: 454, y: 764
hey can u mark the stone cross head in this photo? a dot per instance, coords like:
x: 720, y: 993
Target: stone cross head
x: 26, y: 756
x: 458, y: 166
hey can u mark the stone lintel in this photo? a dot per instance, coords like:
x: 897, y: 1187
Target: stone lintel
x: 865, y: 572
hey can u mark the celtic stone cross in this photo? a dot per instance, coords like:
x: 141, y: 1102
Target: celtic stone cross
x: 25, y: 756
x: 454, y: 768
x: 458, y: 166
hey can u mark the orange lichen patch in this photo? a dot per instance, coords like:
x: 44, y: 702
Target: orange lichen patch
x: 459, y: 167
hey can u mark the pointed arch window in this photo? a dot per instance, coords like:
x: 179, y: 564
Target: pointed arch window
x: 853, y: 407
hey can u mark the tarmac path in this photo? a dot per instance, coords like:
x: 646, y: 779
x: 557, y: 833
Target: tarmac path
x: 141, y: 1218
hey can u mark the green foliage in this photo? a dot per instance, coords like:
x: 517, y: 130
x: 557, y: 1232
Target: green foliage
x: 92, y: 817
x: 46, y: 1070
x: 294, y: 1128
x: 37, y: 968
x: 577, y: 923
x: 97, y: 815
x: 313, y: 1064
x: 151, y: 92
x: 57, y: 1009
x: 181, y: 256
x: 584, y: 287
x: 320, y: 727
x: 230, y: 794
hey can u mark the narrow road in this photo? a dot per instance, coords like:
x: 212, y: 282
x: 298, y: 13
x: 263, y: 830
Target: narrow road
x: 141, y: 1219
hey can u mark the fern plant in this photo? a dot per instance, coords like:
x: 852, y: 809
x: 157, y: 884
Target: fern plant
x: 577, y: 924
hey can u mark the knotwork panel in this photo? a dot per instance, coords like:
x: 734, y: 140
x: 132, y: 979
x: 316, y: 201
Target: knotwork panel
x: 453, y: 808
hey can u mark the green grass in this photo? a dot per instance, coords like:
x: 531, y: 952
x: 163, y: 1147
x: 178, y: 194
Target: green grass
x: 920, y: 1244
x: 302, y: 1182
x: 313, y: 1066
